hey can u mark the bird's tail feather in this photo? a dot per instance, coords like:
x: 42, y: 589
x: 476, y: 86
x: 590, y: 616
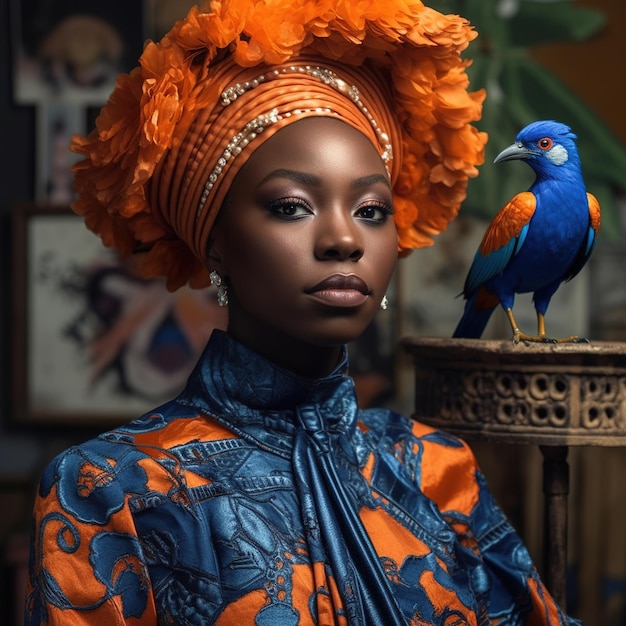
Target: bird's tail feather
x: 473, y: 322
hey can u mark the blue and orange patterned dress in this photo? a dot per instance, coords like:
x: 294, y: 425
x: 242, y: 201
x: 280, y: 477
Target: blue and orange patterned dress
x: 260, y: 498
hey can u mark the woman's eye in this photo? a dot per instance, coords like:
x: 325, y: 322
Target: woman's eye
x: 289, y: 208
x: 377, y: 212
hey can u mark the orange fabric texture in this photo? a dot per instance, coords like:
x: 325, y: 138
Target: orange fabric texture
x: 165, y: 127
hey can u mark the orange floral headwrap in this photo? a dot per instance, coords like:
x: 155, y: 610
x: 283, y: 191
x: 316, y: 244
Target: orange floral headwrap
x: 179, y: 127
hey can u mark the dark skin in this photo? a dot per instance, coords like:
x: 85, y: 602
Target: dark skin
x: 307, y: 244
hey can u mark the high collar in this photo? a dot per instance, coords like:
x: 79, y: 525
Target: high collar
x: 255, y: 397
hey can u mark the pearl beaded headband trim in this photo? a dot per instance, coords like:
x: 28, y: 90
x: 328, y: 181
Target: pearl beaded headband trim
x: 256, y: 126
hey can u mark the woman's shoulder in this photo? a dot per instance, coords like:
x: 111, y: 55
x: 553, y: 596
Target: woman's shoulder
x: 442, y: 464
x: 392, y: 426
x: 129, y: 454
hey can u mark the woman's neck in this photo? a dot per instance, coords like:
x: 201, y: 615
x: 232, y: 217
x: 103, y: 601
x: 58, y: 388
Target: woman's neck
x: 303, y: 359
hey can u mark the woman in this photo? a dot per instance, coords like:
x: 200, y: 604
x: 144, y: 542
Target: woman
x: 286, y: 153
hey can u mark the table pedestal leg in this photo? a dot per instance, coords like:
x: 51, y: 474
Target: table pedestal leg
x: 556, y: 490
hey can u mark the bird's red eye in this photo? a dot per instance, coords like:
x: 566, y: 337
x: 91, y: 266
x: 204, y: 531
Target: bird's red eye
x: 545, y: 143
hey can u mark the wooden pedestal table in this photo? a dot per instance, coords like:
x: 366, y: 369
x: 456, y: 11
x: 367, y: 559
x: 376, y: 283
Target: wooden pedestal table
x: 551, y: 395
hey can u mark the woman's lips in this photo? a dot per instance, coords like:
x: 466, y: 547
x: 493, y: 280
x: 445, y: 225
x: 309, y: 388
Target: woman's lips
x: 341, y: 290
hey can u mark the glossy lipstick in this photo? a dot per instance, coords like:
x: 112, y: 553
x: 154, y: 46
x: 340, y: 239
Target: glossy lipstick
x: 341, y: 290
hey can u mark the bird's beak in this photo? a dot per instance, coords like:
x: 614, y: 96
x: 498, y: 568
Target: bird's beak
x: 514, y: 151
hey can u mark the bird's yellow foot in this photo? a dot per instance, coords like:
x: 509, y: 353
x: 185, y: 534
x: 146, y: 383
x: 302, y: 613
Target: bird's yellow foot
x: 541, y: 336
x: 520, y: 336
x: 573, y: 339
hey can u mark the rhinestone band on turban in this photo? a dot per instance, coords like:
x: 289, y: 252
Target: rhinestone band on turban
x: 176, y: 131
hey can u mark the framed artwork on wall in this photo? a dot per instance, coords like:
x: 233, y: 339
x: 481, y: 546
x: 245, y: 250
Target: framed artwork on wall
x: 71, y: 51
x: 56, y: 124
x: 93, y: 342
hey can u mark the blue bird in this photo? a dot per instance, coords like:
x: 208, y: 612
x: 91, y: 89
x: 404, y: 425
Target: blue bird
x: 539, y: 239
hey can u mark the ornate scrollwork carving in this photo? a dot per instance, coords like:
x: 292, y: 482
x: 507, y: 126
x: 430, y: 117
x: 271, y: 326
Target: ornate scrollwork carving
x: 544, y: 394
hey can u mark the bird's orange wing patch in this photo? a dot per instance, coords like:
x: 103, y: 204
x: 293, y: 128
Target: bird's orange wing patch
x: 508, y: 222
x: 594, y: 212
x: 485, y: 300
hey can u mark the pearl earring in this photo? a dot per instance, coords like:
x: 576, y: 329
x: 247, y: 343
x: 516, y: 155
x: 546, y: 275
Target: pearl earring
x: 384, y: 303
x: 222, y: 291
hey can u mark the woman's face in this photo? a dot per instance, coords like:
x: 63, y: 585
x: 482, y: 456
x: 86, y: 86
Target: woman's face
x: 306, y: 240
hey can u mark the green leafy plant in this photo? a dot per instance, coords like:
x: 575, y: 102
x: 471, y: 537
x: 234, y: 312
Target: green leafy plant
x: 521, y: 90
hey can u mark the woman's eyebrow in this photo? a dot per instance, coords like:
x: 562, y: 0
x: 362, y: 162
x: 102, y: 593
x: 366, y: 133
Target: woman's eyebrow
x: 295, y: 175
x: 316, y: 181
x: 372, y: 179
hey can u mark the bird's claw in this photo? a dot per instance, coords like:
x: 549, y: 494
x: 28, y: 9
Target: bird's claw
x: 578, y: 340
x: 528, y: 339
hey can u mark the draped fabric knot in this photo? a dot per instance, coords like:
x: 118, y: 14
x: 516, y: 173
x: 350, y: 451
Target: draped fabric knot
x: 312, y: 422
x: 336, y: 535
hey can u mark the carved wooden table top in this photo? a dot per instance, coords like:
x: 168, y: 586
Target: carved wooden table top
x: 553, y: 395
x: 548, y: 394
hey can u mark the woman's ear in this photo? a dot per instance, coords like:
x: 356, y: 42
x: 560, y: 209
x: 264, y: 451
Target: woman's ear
x: 213, y: 256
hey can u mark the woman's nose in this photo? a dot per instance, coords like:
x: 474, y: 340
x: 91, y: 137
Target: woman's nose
x: 339, y: 238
